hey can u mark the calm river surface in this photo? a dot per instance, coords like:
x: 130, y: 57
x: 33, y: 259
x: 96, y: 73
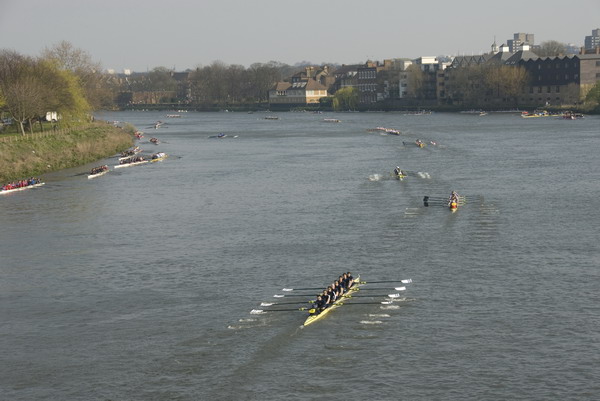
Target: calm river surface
x: 138, y: 285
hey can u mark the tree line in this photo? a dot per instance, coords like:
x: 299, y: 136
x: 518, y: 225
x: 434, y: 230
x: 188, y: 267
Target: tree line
x: 65, y: 80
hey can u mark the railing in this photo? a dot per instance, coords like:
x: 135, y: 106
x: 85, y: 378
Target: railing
x: 44, y: 134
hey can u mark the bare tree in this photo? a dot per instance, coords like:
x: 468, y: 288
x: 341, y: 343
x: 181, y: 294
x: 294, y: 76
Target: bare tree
x: 89, y: 72
x: 551, y: 48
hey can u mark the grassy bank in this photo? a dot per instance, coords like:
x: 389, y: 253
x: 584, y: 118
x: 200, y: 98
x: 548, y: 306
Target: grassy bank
x: 34, y: 155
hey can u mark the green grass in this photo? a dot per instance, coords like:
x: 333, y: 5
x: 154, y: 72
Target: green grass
x: 26, y: 156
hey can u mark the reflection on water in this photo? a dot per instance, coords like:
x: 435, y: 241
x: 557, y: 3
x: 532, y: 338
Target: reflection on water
x: 138, y: 285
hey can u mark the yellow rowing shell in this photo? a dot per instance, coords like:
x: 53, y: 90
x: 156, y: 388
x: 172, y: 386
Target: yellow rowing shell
x: 339, y: 302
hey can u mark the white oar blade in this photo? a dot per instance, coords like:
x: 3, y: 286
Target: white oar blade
x: 266, y: 304
x: 386, y: 302
x: 407, y: 281
x: 393, y: 295
x: 256, y: 311
x: 400, y: 288
x: 287, y: 289
x: 278, y: 296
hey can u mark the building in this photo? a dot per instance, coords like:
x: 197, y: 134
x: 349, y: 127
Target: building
x: 297, y: 94
x: 304, y: 88
x: 592, y: 41
x: 520, y: 39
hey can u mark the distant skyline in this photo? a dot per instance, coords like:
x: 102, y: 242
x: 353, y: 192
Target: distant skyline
x: 141, y: 35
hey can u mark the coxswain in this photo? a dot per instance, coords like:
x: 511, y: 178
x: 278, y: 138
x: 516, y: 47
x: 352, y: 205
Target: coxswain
x: 319, y: 304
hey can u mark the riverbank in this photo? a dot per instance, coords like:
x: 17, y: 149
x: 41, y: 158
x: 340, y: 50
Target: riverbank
x: 34, y: 155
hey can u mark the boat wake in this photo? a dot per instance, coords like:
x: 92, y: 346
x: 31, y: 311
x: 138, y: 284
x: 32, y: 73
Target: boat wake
x: 371, y: 322
x: 378, y: 315
x: 375, y: 177
x: 424, y: 175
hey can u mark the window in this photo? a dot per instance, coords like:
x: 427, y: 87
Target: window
x: 598, y: 75
x: 548, y: 89
x: 558, y: 89
x: 539, y: 89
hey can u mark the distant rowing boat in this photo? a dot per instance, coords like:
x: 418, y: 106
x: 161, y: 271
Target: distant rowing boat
x: 131, y: 164
x: 98, y: 172
x: 159, y: 157
x: 6, y: 191
x: 336, y: 304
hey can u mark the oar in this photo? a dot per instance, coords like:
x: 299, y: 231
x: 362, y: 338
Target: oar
x: 372, y: 296
x: 303, y: 289
x: 259, y: 311
x: 293, y: 295
x: 361, y: 289
x: 285, y: 303
x: 442, y: 199
x: 406, y: 281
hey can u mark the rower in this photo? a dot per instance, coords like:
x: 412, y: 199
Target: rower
x: 453, y: 198
x: 350, y: 279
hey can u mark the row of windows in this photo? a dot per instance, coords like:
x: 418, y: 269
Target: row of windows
x: 557, y: 77
x: 367, y: 74
x: 539, y: 67
x: 548, y: 89
x: 367, y: 87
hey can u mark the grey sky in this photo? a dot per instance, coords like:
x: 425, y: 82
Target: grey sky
x: 144, y: 34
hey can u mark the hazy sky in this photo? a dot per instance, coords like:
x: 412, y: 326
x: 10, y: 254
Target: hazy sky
x: 181, y: 34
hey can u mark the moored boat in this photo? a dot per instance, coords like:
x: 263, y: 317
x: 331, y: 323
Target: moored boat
x: 336, y: 304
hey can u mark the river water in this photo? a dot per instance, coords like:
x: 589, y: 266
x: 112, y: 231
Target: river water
x: 138, y: 285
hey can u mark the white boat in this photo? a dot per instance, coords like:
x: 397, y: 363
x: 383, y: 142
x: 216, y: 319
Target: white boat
x: 157, y: 157
x: 90, y: 176
x: 131, y: 164
x: 6, y: 191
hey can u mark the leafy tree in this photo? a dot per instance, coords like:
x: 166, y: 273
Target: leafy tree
x: 593, y: 95
x: 345, y: 99
x: 32, y: 87
x: 551, y: 48
x: 416, y: 81
x: 503, y: 81
x: 161, y: 79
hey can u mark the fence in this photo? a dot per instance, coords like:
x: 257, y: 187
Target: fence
x: 45, y: 134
